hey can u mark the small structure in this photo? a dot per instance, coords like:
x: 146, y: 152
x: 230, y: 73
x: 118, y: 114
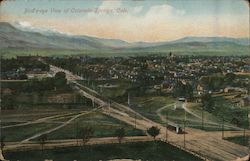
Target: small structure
x: 175, y: 127
x: 1, y: 156
x: 180, y: 103
x: 245, y: 101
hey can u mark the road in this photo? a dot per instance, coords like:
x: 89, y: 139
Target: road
x: 51, y: 144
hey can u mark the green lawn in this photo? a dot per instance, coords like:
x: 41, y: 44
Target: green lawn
x: 241, y: 140
x: 149, y: 151
x: 148, y: 105
x: 112, y: 93
x: 103, y: 126
x: 209, y: 119
x: 23, y: 132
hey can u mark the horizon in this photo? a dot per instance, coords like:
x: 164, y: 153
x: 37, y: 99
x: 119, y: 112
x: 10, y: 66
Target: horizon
x: 137, y: 21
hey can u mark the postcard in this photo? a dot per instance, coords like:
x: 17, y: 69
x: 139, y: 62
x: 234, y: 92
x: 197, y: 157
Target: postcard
x: 124, y: 80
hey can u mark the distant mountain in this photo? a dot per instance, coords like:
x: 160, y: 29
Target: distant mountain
x: 240, y: 41
x: 13, y: 37
x: 17, y: 36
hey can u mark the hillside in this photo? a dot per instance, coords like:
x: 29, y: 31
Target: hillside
x: 28, y: 41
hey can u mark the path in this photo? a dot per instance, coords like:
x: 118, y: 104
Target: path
x: 51, y: 144
x: 41, y: 120
x: 56, y: 128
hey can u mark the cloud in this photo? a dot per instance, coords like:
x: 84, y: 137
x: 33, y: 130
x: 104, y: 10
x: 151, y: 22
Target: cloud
x: 27, y: 26
x: 137, y: 9
x: 22, y: 23
x: 107, y: 4
x: 158, y: 23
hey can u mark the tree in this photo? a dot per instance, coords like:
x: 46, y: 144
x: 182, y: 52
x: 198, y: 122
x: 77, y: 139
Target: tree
x: 183, y: 90
x: 23, y: 77
x: 8, y: 102
x: 2, y: 143
x: 178, y: 89
x: 120, y: 133
x: 42, y: 140
x: 229, y: 78
x: 85, y: 134
x: 208, y: 102
x: 188, y: 91
x: 60, y: 80
x: 153, y: 131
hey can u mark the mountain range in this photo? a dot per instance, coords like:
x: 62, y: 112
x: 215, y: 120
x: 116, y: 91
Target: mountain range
x: 15, y: 36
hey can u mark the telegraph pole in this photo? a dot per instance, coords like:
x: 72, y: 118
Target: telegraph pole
x: 184, y: 130
x: 135, y: 120
x: 93, y: 102
x: 202, y: 119
x: 128, y: 99
x: 222, y: 127
x: 185, y: 117
x: 166, y: 125
x: 77, y: 132
x: 109, y: 106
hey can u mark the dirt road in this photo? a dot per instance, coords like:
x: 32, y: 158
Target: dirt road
x: 51, y: 144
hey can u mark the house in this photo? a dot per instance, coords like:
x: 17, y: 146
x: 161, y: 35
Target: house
x: 28, y: 58
x: 245, y: 101
x: 6, y: 91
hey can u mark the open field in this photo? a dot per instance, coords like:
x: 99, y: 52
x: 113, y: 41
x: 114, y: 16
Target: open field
x: 148, y: 106
x: 19, y: 126
x: 102, y: 125
x: 104, y: 87
x: 211, y: 122
x: 23, y: 132
x: 33, y: 114
x: 156, y: 108
x: 145, y: 151
x: 241, y: 140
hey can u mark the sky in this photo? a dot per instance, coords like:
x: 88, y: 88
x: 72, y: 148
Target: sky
x: 132, y: 20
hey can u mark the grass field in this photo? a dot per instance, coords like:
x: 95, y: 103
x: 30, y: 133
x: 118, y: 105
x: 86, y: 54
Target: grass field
x: 163, y: 51
x: 119, y: 90
x: 103, y: 126
x: 147, y: 106
x: 241, y: 140
x: 23, y: 132
x: 149, y: 151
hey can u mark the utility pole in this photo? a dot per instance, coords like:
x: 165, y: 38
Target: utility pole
x: 245, y: 126
x: 222, y: 127
x: 135, y: 120
x: 202, y: 119
x: 185, y: 118
x: 77, y: 131
x: 93, y: 102
x: 184, y: 130
x: 128, y: 99
x: 109, y: 106
x: 166, y: 125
